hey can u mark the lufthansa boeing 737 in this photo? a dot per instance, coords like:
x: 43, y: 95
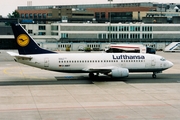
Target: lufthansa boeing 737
x: 116, y: 65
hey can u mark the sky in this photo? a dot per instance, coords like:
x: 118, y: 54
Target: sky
x: 8, y: 6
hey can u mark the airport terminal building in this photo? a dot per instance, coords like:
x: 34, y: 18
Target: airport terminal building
x: 97, y: 35
x: 96, y: 25
x: 56, y: 36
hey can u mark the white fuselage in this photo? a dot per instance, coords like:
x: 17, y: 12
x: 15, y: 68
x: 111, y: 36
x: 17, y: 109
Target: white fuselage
x: 79, y: 62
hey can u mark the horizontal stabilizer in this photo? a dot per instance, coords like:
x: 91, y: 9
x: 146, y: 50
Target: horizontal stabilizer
x: 19, y: 56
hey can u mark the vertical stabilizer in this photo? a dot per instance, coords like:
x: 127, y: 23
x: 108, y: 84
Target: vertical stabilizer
x: 25, y: 43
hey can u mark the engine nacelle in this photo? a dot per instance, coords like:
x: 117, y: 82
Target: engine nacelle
x: 120, y: 72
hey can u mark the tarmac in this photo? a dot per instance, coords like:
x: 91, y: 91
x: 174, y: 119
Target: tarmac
x: 28, y: 93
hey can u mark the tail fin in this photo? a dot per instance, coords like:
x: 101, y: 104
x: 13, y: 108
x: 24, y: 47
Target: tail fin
x: 25, y: 43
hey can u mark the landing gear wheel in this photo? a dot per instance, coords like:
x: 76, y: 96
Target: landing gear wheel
x: 91, y: 75
x: 153, y: 75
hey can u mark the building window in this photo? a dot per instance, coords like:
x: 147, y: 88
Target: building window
x: 22, y: 15
x: 41, y: 33
x: 64, y: 35
x: 44, y: 15
x: 147, y: 28
x: 147, y: 36
x: 99, y: 36
x: 30, y: 31
x: 42, y: 27
x: 112, y: 28
x: 54, y: 27
x: 102, y: 14
x: 30, y: 15
x: 134, y: 28
x: 35, y: 15
x: 123, y: 36
x: 26, y: 15
x: 123, y: 28
x: 104, y: 36
x: 49, y: 14
x: 54, y: 33
x: 39, y: 15
x: 97, y: 15
x: 134, y: 36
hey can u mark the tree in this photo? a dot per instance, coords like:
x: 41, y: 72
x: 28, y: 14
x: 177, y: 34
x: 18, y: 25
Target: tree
x: 15, y: 14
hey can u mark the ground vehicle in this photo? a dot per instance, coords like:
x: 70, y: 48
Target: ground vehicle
x: 173, y: 47
x: 129, y: 48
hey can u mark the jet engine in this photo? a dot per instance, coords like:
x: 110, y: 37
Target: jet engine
x: 120, y: 72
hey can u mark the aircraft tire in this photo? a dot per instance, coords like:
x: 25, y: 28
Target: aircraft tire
x: 91, y: 75
x: 153, y: 75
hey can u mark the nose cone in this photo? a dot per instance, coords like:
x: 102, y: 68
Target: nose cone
x: 170, y: 64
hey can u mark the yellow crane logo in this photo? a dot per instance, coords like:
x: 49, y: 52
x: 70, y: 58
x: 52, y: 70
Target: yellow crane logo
x: 23, y: 40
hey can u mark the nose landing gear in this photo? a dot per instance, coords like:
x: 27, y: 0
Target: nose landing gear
x: 154, y: 75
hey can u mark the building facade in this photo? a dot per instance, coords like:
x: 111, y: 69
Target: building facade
x: 114, y: 12
x: 56, y: 36
x: 99, y: 12
x: 154, y: 35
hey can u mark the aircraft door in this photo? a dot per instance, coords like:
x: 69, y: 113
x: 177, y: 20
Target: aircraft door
x: 46, y: 62
x: 153, y: 62
x: 123, y: 63
x: 150, y: 63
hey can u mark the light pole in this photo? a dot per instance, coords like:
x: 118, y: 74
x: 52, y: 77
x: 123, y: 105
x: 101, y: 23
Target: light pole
x: 110, y: 22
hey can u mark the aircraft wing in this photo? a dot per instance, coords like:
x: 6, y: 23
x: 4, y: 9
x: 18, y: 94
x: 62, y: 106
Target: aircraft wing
x: 16, y: 55
x: 99, y: 69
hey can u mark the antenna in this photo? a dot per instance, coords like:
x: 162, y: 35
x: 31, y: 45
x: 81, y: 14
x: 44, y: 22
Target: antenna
x: 29, y: 3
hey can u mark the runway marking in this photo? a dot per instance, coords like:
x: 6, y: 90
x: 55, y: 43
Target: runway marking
x: 159, y: 116
x: 19, y: 73
x: 121, y: 117
x: 156, y: 116
x: 82, y: 107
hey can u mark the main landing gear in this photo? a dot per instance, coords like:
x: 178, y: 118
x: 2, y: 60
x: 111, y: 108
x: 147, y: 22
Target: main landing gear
x: 91, y: 75
x: 154, y: 75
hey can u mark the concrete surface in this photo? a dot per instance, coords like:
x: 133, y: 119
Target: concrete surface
x: 28, y: 93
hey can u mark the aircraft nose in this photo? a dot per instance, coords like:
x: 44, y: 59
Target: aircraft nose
x: 170, y: 64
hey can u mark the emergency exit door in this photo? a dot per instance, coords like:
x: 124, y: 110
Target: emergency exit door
x: 46, y: 62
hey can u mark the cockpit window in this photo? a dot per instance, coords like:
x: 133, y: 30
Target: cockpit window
x: 163, y: 59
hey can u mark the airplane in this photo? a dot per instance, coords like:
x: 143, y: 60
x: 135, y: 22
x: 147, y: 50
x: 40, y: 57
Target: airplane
x: 115, y: 65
